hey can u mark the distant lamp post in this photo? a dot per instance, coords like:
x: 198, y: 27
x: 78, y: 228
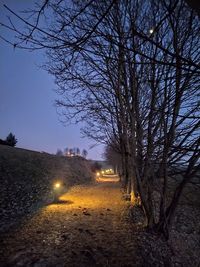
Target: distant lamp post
x: 57, y: 191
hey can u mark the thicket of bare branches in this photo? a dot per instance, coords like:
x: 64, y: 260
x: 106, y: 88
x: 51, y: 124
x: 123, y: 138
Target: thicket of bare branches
x: 130, y: 69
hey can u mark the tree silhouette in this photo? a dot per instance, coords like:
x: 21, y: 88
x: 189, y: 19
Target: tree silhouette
x: 59, y: 152
x: 11, y: 140
x: 66, y: 151
x: 84, y: 153
x: 77, y: 151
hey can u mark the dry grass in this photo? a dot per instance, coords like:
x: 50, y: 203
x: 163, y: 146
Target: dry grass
x: 27, y: 179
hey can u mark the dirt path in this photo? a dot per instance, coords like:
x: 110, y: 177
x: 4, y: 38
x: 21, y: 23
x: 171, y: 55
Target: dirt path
x: 85, y: 229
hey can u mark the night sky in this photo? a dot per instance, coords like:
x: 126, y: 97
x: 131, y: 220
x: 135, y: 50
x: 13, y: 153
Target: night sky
x: 27, y: 99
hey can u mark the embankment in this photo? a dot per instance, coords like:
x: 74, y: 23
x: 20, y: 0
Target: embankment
x: 27, y: 177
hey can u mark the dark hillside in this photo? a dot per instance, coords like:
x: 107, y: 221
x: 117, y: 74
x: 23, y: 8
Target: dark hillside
x: 26, y: 179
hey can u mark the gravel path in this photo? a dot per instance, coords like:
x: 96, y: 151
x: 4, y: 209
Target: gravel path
x: 86, y: 228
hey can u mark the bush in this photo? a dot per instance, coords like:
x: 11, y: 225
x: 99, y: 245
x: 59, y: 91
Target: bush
x: 3, y: 142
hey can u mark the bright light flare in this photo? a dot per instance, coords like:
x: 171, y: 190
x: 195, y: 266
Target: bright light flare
x: 151, y: 31
x: 57, y: 185
x: 102, y: 172
x: 98, y: 174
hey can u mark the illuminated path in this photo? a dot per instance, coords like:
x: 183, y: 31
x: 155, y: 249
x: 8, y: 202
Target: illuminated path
x: 85, y: 229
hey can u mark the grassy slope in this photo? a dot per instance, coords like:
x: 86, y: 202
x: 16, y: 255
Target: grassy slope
x: 26, y: 178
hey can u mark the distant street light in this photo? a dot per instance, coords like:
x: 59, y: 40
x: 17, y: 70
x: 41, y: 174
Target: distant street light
x: 151, y: 31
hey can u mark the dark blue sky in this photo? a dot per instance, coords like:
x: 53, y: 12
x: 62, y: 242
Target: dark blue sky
x: 27, y: 100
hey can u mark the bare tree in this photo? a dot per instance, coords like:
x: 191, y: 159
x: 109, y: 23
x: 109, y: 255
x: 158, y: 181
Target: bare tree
x: 84, y: 153
x: 131, y: 72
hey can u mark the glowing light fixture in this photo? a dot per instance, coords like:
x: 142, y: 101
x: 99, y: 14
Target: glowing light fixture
x: 57, y: 185
x: 151, y: 31
x: 98, y: 174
